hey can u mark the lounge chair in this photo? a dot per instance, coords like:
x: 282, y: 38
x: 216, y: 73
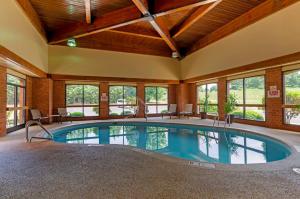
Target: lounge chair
x: 37, y: 116
x: 188, y: 110
x: 63, y: 114
x: 172, y: 111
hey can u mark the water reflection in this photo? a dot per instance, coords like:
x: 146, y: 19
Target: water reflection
x: 188, y: 143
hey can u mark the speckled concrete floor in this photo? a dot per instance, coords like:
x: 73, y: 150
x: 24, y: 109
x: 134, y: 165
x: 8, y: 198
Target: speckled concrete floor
x: 50, y: 170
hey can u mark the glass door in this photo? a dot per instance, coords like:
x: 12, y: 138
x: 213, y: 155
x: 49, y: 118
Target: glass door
x: 15, y: 108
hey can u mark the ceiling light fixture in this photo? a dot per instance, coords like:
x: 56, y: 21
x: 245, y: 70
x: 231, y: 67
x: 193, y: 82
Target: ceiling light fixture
x: 71, y: 42
x: 175, y: 55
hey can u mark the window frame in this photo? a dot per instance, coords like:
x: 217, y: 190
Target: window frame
x: 16, y: 108
x: 244, y: 105
x: 123, y: 97
x: 83, y: 105
x: 206, y: 92
x: 284, y: 105
x: 156, y: 99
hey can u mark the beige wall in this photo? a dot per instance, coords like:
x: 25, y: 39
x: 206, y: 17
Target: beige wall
x: 19, y: 36
x: 88, y: 62
x: 274, y: 36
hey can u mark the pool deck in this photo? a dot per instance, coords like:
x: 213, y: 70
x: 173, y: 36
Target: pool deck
x: 44, y: 169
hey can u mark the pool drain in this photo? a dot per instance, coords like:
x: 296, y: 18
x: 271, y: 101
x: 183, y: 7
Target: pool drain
x: 296, y: 170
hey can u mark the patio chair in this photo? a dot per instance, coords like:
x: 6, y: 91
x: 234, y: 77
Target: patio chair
x: 37, y: 116
x: 172, y: 111
x: 188, y: 110
x: 63, y: 114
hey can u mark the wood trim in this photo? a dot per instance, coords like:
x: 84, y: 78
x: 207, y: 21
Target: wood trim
x: 33, y: 17
x: 194, y: 17
x: 109, y: 79
x: 14, y: 61
x: 88, y: 11
x: 259, y: 12
x: 250, y: 67
x: 135, y: 34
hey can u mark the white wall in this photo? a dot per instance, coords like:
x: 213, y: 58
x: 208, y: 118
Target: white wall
x: 274, y: 36
x: 89, y: 62
x: 18, y: 35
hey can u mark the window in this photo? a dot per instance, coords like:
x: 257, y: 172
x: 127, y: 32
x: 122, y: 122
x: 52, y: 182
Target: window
x: 156, y: 99
x: 250, y: 93
x: 15, y: 114
x: 122, y: 100
x: 207, y: 94
x: 292, y: 97
x: 82, y: 100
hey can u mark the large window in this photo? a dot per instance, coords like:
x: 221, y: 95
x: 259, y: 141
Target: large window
x: 250, y: 94
x: 15, y: 114
x: 122, y: 100
x: 207, y: 98
x: 292, y: 97
x: 156, y: 99
x: 82, y: 100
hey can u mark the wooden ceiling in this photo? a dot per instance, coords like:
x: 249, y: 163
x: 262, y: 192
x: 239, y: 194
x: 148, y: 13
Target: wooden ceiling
x: 155, y: 27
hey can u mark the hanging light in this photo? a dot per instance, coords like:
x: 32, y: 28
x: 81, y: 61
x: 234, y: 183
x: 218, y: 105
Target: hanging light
x: 71, y: 42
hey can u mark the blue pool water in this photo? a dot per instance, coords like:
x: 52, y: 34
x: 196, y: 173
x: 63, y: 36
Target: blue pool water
x: 189, y: 142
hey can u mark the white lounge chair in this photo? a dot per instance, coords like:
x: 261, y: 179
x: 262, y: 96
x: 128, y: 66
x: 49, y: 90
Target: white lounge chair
x: 172, y: 111
x: 188, y: 110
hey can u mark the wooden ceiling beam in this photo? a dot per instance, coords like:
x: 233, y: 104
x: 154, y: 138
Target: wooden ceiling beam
x: 158, y: 25
x: 88, y: 11
x: 33, y: 17
x: 115, y: 19
x: 120, y: 18
x: 259, y: 12
x: 193, y: 18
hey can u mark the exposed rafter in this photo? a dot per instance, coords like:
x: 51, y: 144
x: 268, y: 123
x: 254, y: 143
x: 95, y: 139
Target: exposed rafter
x: 259, y: 12
x: 193, y: 18
x: 88, y: 11
x: 120, y: 18
x: 158, y: 25
x: 33, y: 17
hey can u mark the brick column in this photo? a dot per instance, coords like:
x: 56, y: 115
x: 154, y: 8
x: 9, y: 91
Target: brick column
x: 222, y: 95
x: 274, y: 112
x: 28, y: 96
x: 186, y: 94
x: 172, y: 94
x: 104, y: 106
x: 42, y: 96
x: 2, y: 101
x: 141, y: 99
x: 59, y: 93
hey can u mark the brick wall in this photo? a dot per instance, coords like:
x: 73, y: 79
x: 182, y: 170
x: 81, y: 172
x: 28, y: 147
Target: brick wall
x: 2, y: 101
x: 274, y: 112
x: 28, y: 96
x: 141, y: 99
x: 104, y: 109
x: 59, y: 93
x: 222, y: 95
x: 186, y: 94
x: 42, y: 96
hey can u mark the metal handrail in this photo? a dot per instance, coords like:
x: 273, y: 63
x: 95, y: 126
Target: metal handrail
x: 30, y: 123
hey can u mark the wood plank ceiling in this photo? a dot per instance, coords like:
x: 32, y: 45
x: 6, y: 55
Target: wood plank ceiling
x: 155, y: 27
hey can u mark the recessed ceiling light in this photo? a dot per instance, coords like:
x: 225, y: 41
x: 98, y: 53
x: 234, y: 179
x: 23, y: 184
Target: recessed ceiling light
x: 71, y: 42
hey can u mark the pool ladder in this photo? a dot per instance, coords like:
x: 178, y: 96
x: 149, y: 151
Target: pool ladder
x: 217, y: 120
x: 30, y: 123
